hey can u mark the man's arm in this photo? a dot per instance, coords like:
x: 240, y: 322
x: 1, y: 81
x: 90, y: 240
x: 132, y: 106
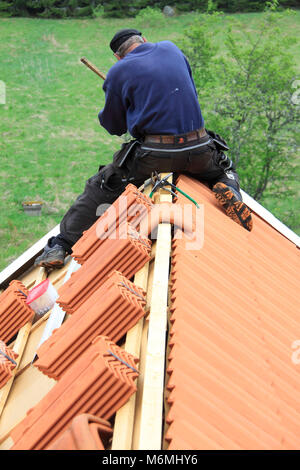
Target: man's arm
x: 113, y: 116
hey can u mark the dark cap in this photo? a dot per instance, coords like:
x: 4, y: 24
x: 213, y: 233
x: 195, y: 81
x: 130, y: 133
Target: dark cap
x: 122, y: 36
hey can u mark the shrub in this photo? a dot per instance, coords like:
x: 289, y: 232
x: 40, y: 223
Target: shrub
x: 48, y: 8
x: 149, y: 17
x: 5, y: 8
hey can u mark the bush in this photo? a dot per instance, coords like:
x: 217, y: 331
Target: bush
x: 5, y: 8
x: 149, y: 17
x: 98, y: 11
x: 129, y: 8
x: 48, y: 8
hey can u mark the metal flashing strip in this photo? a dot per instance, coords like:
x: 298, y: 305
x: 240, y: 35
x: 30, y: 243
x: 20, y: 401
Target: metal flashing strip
x: 270, y: 218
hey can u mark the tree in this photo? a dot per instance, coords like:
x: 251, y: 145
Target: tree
x: 246, y: 97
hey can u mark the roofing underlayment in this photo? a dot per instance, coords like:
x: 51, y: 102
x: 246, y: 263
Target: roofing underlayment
x: 166, y: 343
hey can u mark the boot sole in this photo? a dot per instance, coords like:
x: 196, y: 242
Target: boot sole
x: 50, y: 264
x: 235, y: 209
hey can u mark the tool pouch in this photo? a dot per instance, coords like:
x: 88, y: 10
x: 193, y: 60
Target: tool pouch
x: 110, y: 177
x: 220, y: 143
x: 122, y: 155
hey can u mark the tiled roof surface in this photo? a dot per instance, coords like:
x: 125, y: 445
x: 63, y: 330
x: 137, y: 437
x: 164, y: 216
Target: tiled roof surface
x: 234, y: 317
x: 231, y: 381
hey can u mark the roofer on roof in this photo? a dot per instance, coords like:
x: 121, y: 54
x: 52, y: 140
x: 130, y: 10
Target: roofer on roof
x: 150, y: 92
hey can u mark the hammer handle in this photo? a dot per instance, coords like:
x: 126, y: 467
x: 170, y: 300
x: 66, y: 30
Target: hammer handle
x: 92, y: 67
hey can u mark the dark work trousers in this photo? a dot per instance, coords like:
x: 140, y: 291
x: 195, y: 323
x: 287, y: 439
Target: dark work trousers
x: 199, y: 159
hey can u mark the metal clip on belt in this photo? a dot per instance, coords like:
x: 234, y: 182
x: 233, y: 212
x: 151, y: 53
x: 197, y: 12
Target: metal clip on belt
x: 161, y: 183
x: 225, y: 162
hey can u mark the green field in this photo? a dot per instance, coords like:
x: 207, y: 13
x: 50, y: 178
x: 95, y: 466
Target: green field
x: 51, y: 141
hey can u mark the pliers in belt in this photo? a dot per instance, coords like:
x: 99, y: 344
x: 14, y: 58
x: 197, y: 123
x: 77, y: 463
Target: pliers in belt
x: 159, y: 182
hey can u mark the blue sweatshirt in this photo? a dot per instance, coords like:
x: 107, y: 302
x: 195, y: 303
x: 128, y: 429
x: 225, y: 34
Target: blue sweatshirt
x: 151, y: 91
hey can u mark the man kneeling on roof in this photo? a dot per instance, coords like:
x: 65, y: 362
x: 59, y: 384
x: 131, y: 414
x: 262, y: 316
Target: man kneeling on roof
x: 150, y: 92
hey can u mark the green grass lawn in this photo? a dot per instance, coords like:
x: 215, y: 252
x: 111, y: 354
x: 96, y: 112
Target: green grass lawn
x: 50, y: 138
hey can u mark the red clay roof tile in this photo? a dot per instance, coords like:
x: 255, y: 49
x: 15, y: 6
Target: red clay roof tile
x: 111, y: 311
x: 98, y: 383
x: 7, y: 363
x: 14, y: 312
x: 126, y: 255
x: 130, y: 207
x: 86, y: 432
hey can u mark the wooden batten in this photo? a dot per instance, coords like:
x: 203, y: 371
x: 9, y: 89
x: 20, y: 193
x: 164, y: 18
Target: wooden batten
x: 125, y: 417
x: 124, y: 421
x: 151, y: 421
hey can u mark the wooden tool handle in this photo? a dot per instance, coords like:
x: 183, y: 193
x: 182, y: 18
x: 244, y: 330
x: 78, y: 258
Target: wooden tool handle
x: 92, y: 67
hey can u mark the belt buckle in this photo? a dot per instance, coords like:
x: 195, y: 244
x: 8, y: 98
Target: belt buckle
x: 180, y: 139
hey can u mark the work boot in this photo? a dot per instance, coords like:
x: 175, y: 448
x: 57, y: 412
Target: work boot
x: 234, y: 207
x: 52, y: 257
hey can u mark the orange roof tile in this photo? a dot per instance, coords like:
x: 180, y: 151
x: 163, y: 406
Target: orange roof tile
x: 111, y: 311
x: 126, y: 255
x: 86, y: 432
x: 97, y: 383
x: 7, y: 363
x: 130, y: 207
x: 14, y: 312
x: 234, y: 317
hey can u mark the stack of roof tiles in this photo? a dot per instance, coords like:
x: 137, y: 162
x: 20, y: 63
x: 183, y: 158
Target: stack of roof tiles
x: 95, y: 376
x: 98, y: 383
x: 234, y: 318
x: 130, y: 207
x: 14, y: 312
x: 111, y: 310
x: 126, y: 255
x: 7, y: 363
x: 86, y: 432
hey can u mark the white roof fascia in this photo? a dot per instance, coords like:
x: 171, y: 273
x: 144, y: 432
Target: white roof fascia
x: 270, y: 218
